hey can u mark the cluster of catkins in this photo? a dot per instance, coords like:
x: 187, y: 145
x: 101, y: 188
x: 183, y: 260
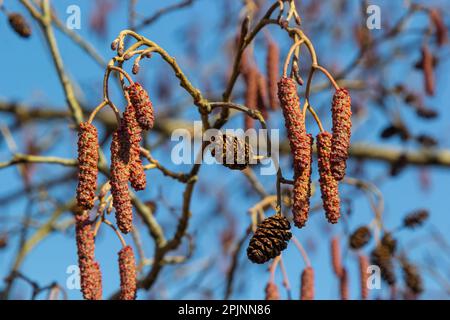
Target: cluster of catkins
x: 126, y: 166
x: 332, y: 151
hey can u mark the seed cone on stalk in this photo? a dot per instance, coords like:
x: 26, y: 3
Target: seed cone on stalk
x: 232, y: 152
x: 143, y: 106
x: 90, y: 274
x: 307, y: 284
x: 120, y: 175
x: 134, y: 136
x: 382, y: 257
x: 127, y: 268
x: 415, y: 219
x: 412, y: 277
x: 342, y: 124
x: 19, y: 24
x: 271, y: 291
x: 360, y: 237
x: 328, y: 184
x: 269, y: 239
x: 87, y: 165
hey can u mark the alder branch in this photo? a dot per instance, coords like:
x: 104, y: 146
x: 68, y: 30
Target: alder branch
x: 160, y: 13
x: 29, y: 158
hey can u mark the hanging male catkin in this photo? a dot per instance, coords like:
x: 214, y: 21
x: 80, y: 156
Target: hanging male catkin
x: 363, y: 276
x: 360, y: 237
x: 272, y: 69
x: 142, y: 104
x: 87, y: 165
x: 328, y: 184
x: 342, y: 124
x: 90, y: 274
x: 120, y: 174
x: 127, y: 268
x: 336, y: 256
x: 307, y: 284
x: 271, y: 291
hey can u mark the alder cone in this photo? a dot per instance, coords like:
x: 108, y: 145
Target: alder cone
x: 343, y: 285
x: 415, y: 219
x: 232, y: 152
x: 127, y: 268
x: 302, y: 190
x: 360, y: 237
x: 90, y: 274
x: 382, y: 257
x: 120, y: 174
x: 295, y: 123
x: 19, y: 24
x: 133, y: 131
x: 87, y: 165
x: 342, y: 125
x: 142, y: 104
x: 328, y: 184
x: 307, y: 284
x: 412, y: 277
x: 272, y: 292
x: 251, y: 94
x: 269, y: 239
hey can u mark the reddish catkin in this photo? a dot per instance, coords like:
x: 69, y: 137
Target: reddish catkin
x: 127, y: 268
x: 343, y: 285
x: 439, y: 25
x: 119, y: 183
x: 87, y: 165
x: 251, y: 93
x: 271, y: 291
x: 302, y: 190
x: 307, y: 284
x: 142, y: 104
x: 133, y: 131
x: 328, y: 184
x: 363, y: 276
x: 428, y: 70
x: 342, y: 124
x: 272, y: 69
x: 294, y: 122
x: 336, y: 256
x: 90, y: 274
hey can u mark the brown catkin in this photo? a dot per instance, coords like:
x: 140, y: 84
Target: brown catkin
x: 416, y: 218
x: 343, y: 285
x: 133, y: 133
x: 428, y: 70
x: 360, y: 237
x: 269, y: 239
x: 328, y: 184
x: 90, y: 274
x: 439, y: 25
x: 336, y: 256
x: 342, y: 125
x: 251, y: 94
x: 142, y: 104
x: 301, y: 192
x: 19, y: 24
x: 127, y: 268
x: 87, y: 165
x: 271, y: 291
x: 307, y: 284
x: 363, y: 276
x: 272, y: 69
x: 120, y: 174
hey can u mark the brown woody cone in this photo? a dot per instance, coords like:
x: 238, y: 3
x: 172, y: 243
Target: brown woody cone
x: 363, y: 276
x: 272, y: 66
x: 302, y: 190
x: 416, y: 218
x: 412, y: 277
x: 19, y: 24
x: 262, y: 102
x: 269, y: 239
x: 342, y: 125
x: 328, y: 184
x: 120, y: 174
x: 133, y: 133
x: 336, y: 256
x: 142, y: 104
x: 307, y: 284
x: 127, y: 268
x: 382, y: 257
x: 360, y: 237
x: 90, y: 274
x: 87, y: 165
x: 272, y: 292
x: 428, y: 70
x: 343, y: 285
x: 233, y: 152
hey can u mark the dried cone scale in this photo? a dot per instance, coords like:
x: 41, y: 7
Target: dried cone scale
x: 328, y: 184
x: 364, y: 276
x: 142, y: 104
x: 342, y: 124
x: 87, y: 165
x: 127, y: 269
x: 269, y: 239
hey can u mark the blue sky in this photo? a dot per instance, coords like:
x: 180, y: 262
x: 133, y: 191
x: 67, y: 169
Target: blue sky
x: 29, y: 77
